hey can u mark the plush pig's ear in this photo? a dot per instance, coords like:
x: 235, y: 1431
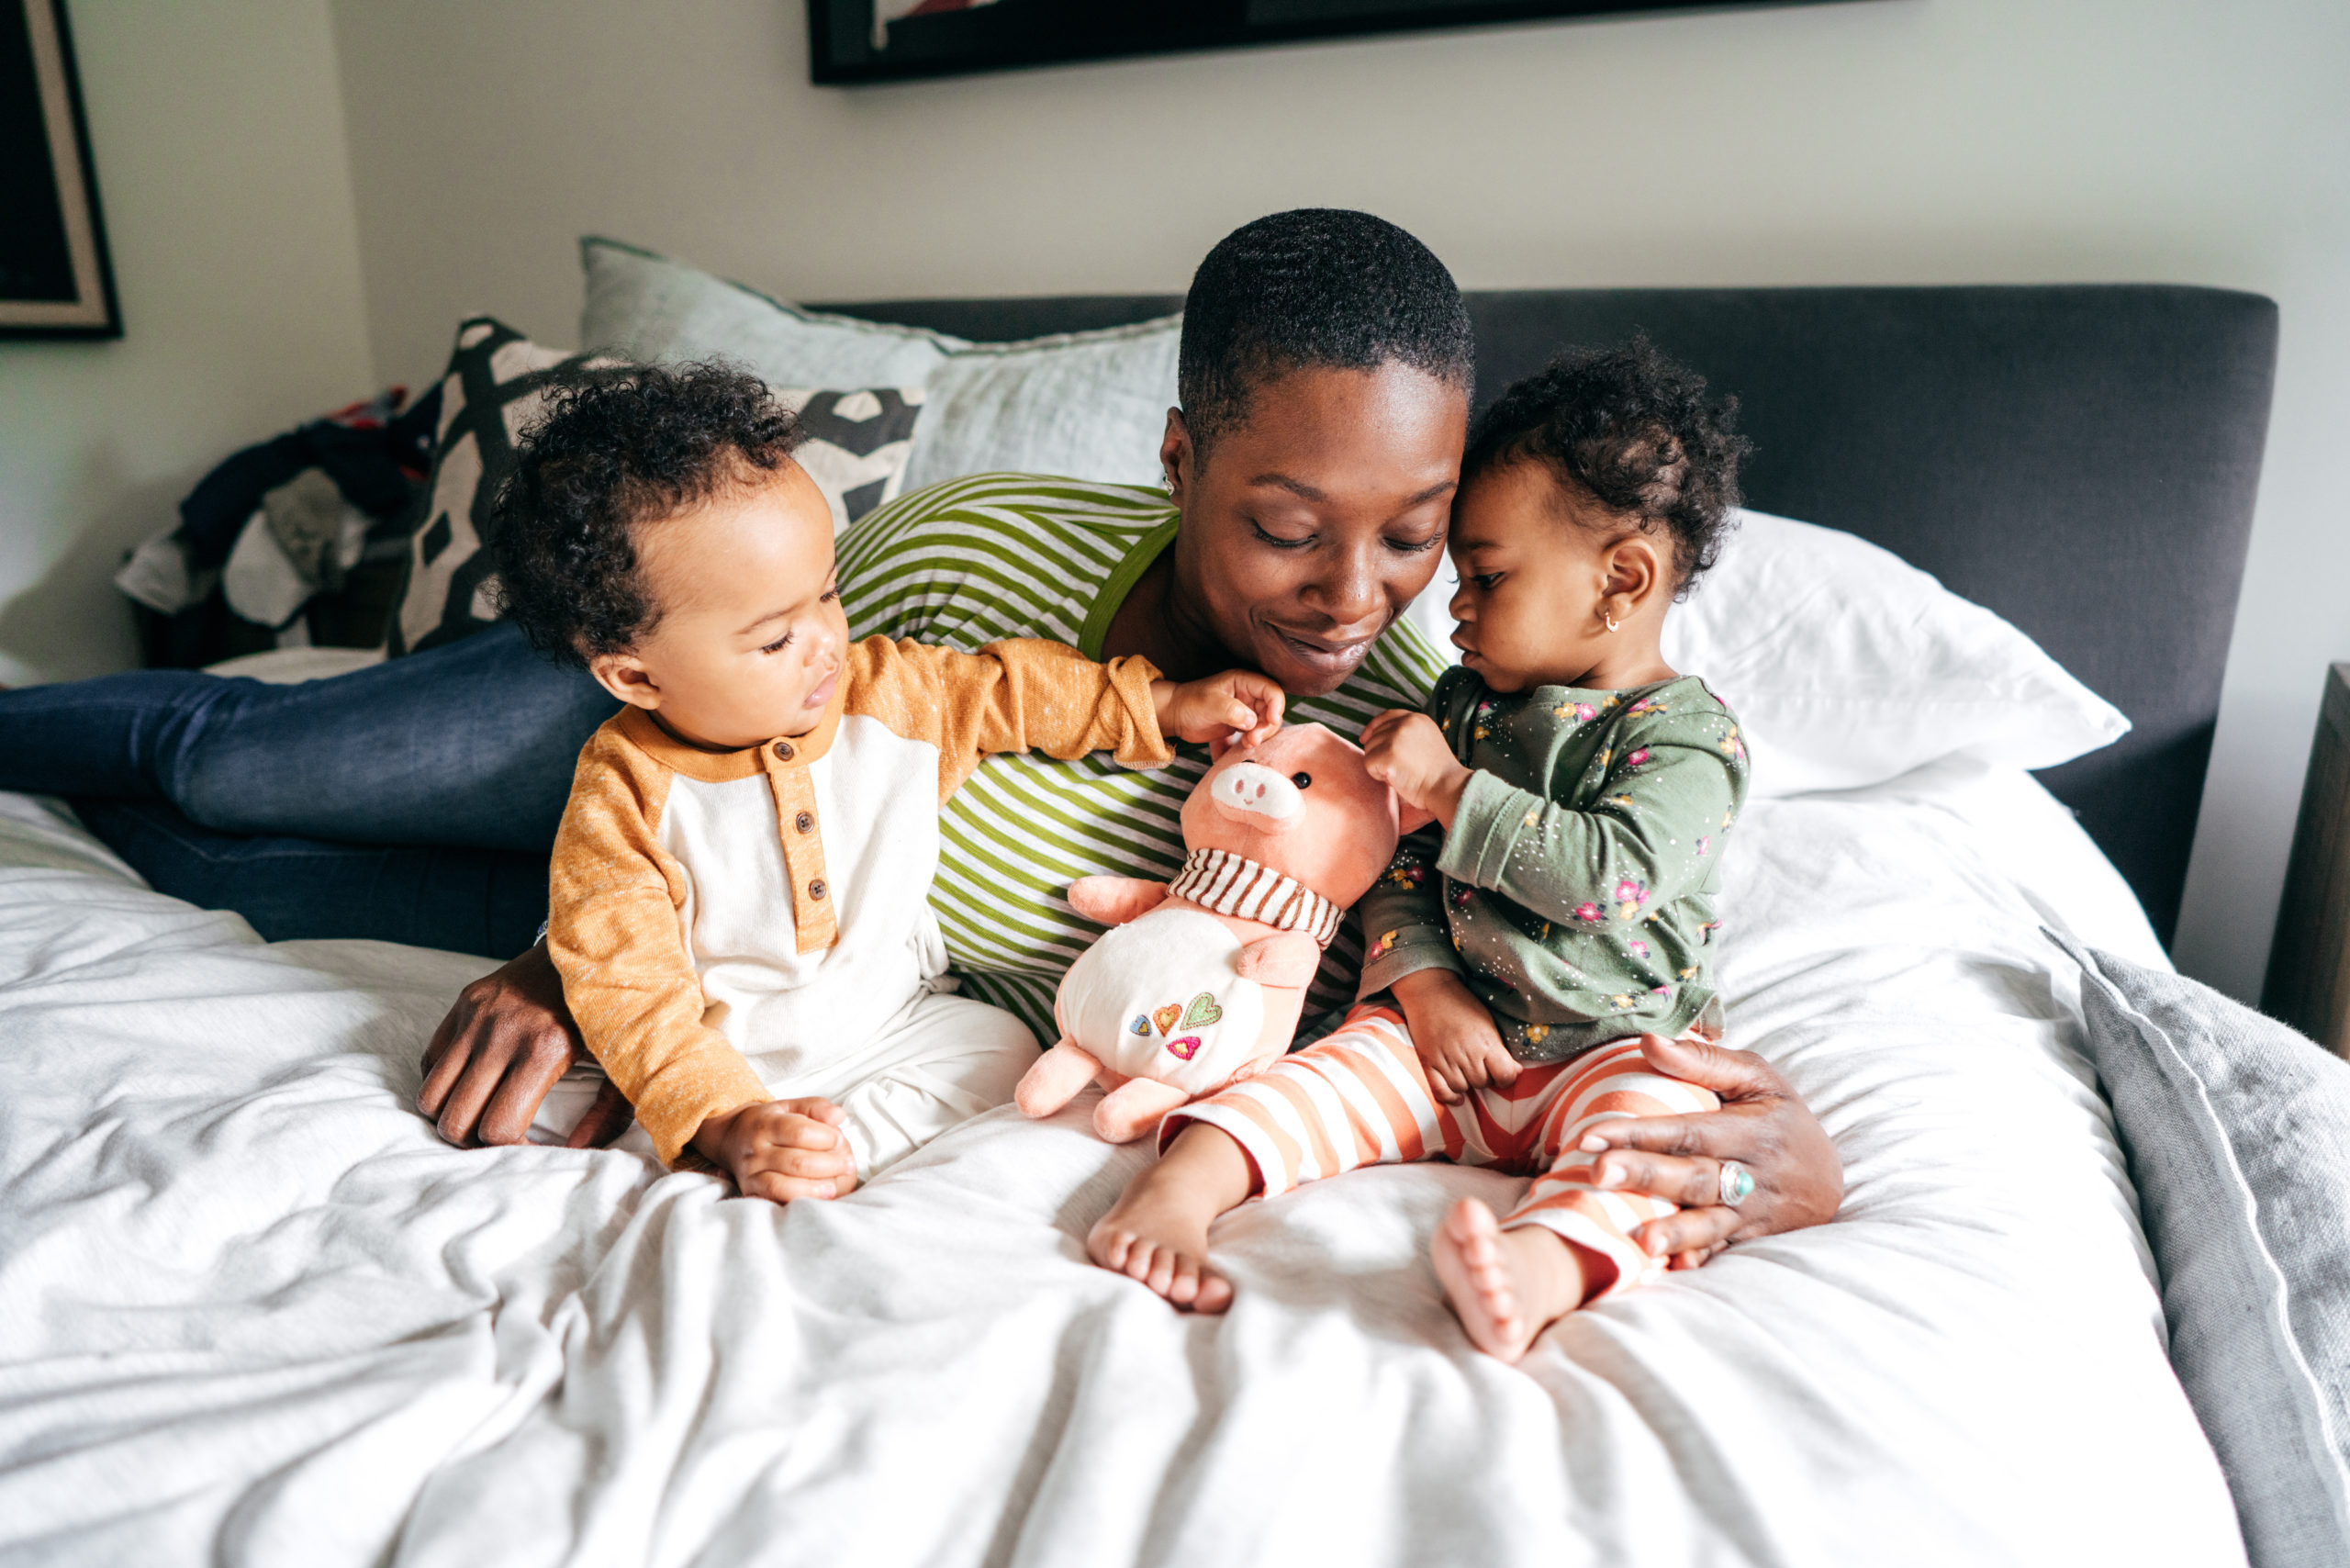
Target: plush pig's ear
x: 1410, y: 819
x: 1219, y: 745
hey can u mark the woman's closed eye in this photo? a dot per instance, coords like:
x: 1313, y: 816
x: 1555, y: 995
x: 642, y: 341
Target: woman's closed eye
x: 1278, y: 541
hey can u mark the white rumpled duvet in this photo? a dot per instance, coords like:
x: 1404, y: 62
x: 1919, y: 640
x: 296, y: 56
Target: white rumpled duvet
x: 252, y: 1310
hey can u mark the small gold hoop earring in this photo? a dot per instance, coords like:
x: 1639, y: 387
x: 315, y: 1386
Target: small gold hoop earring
x: 1609, y: 618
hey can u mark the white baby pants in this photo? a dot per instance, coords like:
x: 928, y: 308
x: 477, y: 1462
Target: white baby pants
x: 939, y: 1060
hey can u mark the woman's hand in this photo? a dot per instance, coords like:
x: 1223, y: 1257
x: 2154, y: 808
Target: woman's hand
x: 1798, y: 1180
x: 506, y: 1043
x: 1408, y: 753
x: 1454, y: 1036
x: 1238, y: 703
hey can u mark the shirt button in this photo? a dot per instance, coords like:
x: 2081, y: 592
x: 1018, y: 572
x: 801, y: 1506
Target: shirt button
x: 804, y: 823
x: 816, y: 889
x: 783, y: 751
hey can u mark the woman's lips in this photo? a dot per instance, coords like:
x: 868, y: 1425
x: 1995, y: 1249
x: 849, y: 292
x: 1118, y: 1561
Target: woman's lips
x: 1326, y: 653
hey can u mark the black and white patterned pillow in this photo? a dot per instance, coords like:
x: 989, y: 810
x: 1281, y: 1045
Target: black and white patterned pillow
x: 859, y: 442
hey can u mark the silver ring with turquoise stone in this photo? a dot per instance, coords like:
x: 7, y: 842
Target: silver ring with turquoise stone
x: 1738, y: 1183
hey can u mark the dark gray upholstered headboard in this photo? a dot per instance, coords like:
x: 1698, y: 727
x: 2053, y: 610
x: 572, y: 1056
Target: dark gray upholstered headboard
x: 2080, y: 459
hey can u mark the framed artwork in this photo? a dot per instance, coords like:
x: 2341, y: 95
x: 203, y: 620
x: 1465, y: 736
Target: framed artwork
x: 890, y: 40
x: 54, y: 278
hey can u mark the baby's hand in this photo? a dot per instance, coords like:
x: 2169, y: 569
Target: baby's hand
x: 1454, y: 1036
x: 782, y: 1149
x: 1407, y: 751
x: 1238, y: 702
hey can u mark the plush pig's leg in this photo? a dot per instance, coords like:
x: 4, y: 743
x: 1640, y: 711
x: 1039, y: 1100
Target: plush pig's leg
x: 1135, y: 1107
x: 1055, y: 1079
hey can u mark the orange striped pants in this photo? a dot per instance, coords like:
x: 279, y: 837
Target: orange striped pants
x: 1360, y: 1097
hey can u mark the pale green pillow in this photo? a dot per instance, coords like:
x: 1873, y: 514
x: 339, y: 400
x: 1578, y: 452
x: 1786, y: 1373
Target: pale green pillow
x: 1090, y: 404
x: 644, y: 307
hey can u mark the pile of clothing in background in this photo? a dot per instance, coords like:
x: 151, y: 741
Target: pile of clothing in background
x: 298, y: 542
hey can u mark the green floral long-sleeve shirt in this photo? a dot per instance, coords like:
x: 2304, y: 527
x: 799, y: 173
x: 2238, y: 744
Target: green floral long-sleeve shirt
x: 1575, y: 892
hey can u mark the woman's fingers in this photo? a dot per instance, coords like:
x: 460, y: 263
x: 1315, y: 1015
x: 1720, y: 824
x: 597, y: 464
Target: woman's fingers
x: 1690, y: 1230
x: 1733, y: 1075
x: 481, y: 1063
x: 1706, y: 1134
x: 443, y: 1064
x: 530, y: 1076
x: 608, y: 1117
x: 1693, y: 1183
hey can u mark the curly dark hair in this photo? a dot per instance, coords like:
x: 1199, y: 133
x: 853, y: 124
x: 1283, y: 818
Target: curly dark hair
x: 608, y: 453
x: 1317, y: 287
x: 1632, y: 430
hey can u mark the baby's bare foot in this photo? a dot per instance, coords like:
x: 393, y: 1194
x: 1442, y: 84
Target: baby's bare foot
x: 1157, y: 1230
x: 1505, y: 1286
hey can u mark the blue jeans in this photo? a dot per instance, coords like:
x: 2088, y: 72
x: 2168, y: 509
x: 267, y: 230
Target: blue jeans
x: 414, y: 800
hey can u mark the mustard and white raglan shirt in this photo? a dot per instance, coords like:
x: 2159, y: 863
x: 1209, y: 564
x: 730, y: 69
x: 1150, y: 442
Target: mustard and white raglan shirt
x: 735, y: 927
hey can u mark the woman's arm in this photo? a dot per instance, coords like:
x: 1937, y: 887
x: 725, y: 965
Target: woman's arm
x: 1798, y: 1180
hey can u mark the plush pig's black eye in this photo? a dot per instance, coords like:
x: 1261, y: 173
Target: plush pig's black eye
x: 1302, y: 781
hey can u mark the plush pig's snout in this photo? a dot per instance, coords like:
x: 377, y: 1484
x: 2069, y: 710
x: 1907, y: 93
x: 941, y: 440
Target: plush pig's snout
x: 1253, y: 787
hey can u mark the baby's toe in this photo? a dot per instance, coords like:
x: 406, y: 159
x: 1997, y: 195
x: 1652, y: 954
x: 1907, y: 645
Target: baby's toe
x: 1161, y: 1277
x: 1216, y: 1291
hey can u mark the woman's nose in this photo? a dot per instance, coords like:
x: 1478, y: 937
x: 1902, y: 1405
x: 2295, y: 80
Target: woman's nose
x: 1349, y: 591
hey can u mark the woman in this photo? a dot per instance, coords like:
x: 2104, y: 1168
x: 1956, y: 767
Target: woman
x: 1324, y: 384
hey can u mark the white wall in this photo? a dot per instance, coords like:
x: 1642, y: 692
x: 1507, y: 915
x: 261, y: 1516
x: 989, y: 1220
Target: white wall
x: 218, y: 133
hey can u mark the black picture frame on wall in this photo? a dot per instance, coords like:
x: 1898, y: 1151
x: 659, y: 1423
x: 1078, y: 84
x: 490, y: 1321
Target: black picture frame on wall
x: 857, y: 41
x: 55, y: 279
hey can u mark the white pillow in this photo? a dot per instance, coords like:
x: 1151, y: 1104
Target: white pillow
x: 1848, y: 666
x: 1091, y: 405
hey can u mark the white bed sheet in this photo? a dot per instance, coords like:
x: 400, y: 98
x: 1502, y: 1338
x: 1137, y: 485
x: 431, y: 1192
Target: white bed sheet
x: 252, y: 1310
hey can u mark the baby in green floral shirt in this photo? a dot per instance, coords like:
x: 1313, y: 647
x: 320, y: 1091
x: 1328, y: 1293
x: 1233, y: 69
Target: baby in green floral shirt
x: 1573, y: 892
x: 1564, y: 907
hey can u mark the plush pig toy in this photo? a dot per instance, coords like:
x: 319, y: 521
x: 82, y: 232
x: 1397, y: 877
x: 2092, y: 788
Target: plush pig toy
x: 1200, y: 980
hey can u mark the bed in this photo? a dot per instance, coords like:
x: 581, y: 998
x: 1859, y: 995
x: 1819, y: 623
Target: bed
x: 256, y: 1311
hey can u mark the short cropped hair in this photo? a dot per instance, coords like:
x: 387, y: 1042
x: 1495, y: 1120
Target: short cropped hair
x: 1318, y: 287
x: 607, y: 454
x: 1633, y: 431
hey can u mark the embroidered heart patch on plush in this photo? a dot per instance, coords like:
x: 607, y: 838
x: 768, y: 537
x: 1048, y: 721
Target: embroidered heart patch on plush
x: 1202, y: 1012
x: 1186, y: 1047
x: 1141, y: 1025
x: 1166, y: 1018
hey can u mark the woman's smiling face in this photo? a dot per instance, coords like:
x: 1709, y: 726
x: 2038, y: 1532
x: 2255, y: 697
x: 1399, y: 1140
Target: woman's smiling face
x: 1310, y: 527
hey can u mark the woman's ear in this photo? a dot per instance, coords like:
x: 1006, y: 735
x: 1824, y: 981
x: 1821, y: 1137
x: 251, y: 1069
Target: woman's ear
x: 625, y: 677
x: 1175, y: 455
